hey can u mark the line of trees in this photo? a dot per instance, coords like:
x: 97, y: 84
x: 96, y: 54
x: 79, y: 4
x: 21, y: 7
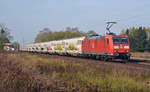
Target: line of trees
x: 48, y: 35
x: 139, y: 38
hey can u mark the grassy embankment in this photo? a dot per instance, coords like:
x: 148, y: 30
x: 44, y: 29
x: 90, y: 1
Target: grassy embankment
x: 34, y: 73
x: 141, y: 55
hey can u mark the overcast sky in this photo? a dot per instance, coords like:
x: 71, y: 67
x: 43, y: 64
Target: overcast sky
x: 25, y: 18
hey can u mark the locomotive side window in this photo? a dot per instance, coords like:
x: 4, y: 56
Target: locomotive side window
x: 107, y: 41
x: 89, y: 44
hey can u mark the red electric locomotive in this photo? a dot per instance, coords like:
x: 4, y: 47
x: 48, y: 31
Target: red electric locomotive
x: 107, y: 47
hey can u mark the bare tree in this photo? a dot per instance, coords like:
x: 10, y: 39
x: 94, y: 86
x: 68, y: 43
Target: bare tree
x: 4, y: 33
x: 5, y: 36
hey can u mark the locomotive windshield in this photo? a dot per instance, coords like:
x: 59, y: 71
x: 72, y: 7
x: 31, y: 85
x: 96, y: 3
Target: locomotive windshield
x: 120, y: 40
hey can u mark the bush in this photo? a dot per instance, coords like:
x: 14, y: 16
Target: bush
x: 35, y: 73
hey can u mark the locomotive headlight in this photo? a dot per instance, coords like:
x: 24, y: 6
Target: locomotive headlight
x: 127, y: 51
x: 126, y: 47
x: 116, y: 47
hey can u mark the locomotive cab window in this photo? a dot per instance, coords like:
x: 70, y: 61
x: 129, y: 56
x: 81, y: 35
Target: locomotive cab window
x: 124, y: 40
x: 120, y: 40
x: 116, y: 40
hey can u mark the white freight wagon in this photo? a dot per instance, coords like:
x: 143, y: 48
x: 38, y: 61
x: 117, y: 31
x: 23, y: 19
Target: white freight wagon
x: 71, y: 46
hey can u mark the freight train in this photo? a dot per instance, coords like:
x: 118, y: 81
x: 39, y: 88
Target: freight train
x: 105, y: 48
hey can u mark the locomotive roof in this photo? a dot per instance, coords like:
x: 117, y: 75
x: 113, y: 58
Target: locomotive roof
x: 95, y: 37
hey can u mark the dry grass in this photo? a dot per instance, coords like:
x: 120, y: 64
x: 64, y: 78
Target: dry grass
x: 33, y: 73
x: 141, y: 55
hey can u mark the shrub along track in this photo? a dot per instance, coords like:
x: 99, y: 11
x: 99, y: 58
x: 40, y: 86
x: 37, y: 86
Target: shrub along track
x: 41, y: 72
x: 133, y: 64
